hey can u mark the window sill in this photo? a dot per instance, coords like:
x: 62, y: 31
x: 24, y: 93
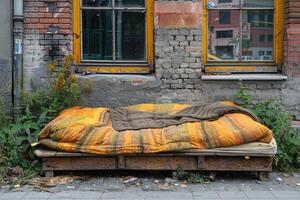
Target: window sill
x: 104, y: 68
x: 120, y: 80
x: 245, y: 77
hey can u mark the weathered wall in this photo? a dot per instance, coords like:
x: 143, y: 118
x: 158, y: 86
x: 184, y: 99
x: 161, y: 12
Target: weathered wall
x: 5, y: 52
x: 48, y: 33
x: 178, y: 51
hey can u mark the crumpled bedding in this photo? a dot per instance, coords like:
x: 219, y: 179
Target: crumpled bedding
x: 90, y: 130
x: 125, y: 119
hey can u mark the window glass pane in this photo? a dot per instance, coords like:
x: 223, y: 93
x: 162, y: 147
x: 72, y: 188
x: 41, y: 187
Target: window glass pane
x: 130, y: 35
x: 225, y: 16
x: 256, y: 3
x: 97, y: 34
x: 130, y: 3
x: 223, y: 4
x: 223, y: 34
x: 257, y: 30
x: 96, y: 3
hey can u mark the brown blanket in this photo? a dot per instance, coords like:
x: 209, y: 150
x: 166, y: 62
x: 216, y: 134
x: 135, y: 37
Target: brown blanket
x: 125, y: 119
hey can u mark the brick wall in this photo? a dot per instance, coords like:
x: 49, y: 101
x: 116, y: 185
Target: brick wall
x: 48, y: 33
x: 292, y: 37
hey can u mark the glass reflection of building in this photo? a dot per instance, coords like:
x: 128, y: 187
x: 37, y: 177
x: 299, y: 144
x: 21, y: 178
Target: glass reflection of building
x: 238, y: 33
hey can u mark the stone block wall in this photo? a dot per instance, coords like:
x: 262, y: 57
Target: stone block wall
x: 178, y: 44
x: 178, y: 52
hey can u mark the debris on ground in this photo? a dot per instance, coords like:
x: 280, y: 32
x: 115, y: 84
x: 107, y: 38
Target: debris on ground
x: 170, y: 180
x: 286, y: 175
x: 45, y: 182
x: 130, y: 180
x: 156, y: 181
x: 9, y: 175
x: 278, y: 179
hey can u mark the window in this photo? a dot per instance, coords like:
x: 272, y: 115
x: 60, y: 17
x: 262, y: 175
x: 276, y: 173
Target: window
x: 261, y: 38
x: 225, y: 1
x: 234, y: 29
x: 261, y: 53
x: 224, y: 34
x: 224, y: 16
x: 224, y: 52
x: 114, y: 33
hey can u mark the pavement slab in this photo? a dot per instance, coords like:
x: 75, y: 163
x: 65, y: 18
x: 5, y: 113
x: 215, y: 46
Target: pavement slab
x: 226, y: 187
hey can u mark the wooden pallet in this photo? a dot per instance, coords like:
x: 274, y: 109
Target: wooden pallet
x: 61, y: 161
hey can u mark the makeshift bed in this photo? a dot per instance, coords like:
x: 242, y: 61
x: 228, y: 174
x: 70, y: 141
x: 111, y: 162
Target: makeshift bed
x: 214, y: 137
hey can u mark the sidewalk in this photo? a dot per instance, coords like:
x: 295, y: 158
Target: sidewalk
x: 153, y: 195
x: 279, y: 187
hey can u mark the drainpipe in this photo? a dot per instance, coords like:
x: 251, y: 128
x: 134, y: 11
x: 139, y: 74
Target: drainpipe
x: 18, y: 34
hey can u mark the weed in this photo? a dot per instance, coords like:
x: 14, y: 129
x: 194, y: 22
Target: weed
x: 273, y: 115
x: 39, y: 107
x: 4, y: 117
x: 190, y: 177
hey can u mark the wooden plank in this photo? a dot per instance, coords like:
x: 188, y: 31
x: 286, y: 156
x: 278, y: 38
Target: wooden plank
x: 161, y: 163
x: 76, y: 31
x: 200, y: 162
x: 79, y: 163
x: 209, y: 163
x: 121, y: 162
x: 116, y: 69
x: 216, y: 163
x: 241, y: 69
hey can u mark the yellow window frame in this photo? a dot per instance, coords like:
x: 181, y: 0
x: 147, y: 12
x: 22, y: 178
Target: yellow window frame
x: 240, y: 66
x: 114, y: 68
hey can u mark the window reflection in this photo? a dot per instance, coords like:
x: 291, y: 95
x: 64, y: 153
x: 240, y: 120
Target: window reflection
x: 223, y: 34
x: 223, y: 4
x: 238, y: 33
x: 257, y: 35
x: 256, y: 3
x: 96, y: 3
x: 130, y: 3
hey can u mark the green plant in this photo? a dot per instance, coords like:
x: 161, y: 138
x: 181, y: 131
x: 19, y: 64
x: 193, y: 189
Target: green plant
x: 273, y: 115
x: 4, y: 118
x: 190, y: 177
x: 39, y: 107
x: 62, y: 91
x: 16, y: 152
x: 242, y: 95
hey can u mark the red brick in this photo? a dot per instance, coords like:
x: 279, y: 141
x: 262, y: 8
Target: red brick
x: 49, y: 20
x: 65, y: 21
x: 178, y: 14
x: 48, y: 15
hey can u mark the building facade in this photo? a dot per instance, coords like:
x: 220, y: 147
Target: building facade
x: 6, y: 52
x: 187, y: 51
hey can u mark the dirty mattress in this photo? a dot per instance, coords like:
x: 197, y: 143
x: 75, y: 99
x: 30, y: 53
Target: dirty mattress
x: 90, y: 130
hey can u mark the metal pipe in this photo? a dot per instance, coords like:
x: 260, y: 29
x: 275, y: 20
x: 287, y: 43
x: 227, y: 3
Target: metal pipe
x: 18, y: 9
x: 18, y: 35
